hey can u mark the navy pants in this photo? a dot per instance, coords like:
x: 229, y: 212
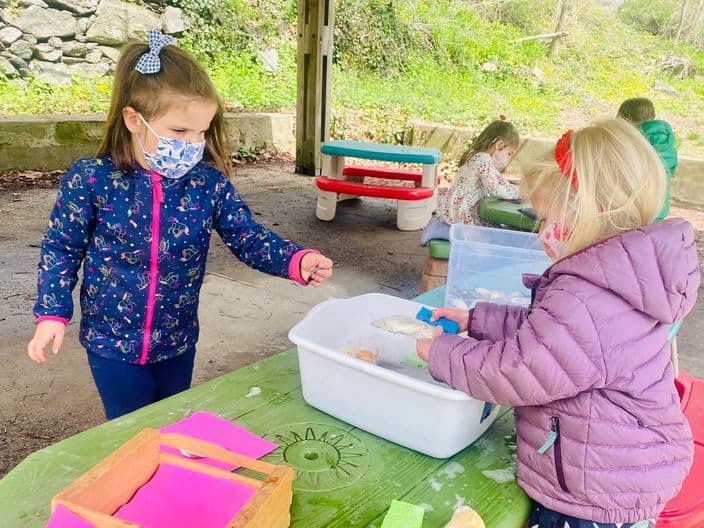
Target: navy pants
x: 125, y: 387
x: 542, y: 517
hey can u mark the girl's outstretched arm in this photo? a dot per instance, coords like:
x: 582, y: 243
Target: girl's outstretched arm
x: 552, y: 355
x: 259, y: 247
x: 493, y: 322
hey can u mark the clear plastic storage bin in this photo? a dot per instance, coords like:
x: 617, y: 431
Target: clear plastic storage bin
x: 487, y: 264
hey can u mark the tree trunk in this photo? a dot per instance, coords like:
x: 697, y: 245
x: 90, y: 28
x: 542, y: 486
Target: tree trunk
x: 560, y: 30
x: 697, y: 18
x: 681, y: 23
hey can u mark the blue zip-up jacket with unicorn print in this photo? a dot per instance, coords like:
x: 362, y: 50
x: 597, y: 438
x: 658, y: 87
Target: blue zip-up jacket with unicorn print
x: 143, y: 241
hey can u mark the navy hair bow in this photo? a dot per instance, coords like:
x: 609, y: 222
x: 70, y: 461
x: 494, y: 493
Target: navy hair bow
x: 150, y: 61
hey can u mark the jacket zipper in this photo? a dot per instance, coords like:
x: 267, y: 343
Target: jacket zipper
x: 558, y: 454
x: 157, y: 200
x: 554, y: 440
x: 635, y: 417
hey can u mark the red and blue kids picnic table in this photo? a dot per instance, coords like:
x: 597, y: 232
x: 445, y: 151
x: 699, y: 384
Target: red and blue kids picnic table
x: 339, y: 182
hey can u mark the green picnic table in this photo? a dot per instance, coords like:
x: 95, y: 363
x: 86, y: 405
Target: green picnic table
x: 345, y: 477
x: 507, y: 213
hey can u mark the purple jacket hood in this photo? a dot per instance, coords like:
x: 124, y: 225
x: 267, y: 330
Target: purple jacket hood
x: 654, y: 268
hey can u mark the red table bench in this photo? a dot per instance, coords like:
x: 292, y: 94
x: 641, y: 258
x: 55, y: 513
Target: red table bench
x: 686, y: 510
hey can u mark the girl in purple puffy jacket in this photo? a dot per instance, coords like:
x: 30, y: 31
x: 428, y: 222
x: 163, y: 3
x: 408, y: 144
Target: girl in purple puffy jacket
x: 602, y: 441
x: 139, y: 219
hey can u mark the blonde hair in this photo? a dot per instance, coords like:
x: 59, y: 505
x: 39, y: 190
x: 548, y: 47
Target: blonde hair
x: 620, y: 184
x: 491, y: 134
x: 152, y: 94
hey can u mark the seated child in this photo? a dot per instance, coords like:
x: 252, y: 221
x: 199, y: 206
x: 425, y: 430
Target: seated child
x: 479, y: 176
x: 602, y: 441
x: 640, y: 112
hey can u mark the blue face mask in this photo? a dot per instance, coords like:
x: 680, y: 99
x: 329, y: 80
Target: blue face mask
x: 173, y: 157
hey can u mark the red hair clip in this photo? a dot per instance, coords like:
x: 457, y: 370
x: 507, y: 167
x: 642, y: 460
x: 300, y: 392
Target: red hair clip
x: 502, y: 117
x: 563, y: 157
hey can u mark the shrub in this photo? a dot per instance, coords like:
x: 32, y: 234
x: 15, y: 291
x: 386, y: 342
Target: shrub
x: 370, y: 35
x: 225, y: 27
x: 658, y: 17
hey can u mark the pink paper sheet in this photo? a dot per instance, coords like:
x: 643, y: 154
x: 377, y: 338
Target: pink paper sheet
x: 65, y: 518
x: 177, y: 497
x: 211, y: 428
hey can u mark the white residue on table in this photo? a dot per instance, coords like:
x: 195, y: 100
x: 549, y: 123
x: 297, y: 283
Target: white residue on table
x: 452, y: 470
x: 500, y: 476
x: 435, y: 484
x: 253, y: 391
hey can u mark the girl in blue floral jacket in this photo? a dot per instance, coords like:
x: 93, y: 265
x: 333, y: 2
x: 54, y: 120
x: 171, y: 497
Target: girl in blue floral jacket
x: 139, y: 217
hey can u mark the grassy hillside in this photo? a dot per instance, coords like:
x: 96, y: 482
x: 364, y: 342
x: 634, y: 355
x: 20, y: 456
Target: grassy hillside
x: 427, y: 59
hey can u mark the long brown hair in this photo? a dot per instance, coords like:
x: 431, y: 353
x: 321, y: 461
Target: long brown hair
x: 151, y: 95
x: 491, y: 134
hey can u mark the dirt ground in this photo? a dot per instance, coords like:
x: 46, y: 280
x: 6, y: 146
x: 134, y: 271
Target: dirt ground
x: 245, y: 315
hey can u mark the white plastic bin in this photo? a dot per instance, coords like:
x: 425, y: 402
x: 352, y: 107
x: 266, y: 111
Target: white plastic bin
x: 396, y: 399
x: 487, y: 264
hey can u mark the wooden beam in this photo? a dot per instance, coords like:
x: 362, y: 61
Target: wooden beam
x: 314, y: 63
x: 540, y: 37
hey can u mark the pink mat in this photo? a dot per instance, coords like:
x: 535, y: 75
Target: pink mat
x: 65, y: 518
x: 212, y: 428
x: 177, y: 497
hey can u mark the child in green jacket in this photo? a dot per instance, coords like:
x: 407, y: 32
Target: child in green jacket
x: 641, y: 113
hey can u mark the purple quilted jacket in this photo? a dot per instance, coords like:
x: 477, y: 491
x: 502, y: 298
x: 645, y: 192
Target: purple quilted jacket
x: 600, y: 432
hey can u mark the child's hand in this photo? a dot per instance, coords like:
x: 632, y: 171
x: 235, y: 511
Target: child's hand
x: 461, y: 317
x: 316, y: 268
x: 423, y: 345
x: 46, y: 332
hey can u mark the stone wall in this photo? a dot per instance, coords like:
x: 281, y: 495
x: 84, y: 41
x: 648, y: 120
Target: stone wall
x: 39, y: 143
x: 55, y: 40
x: 687, y: 184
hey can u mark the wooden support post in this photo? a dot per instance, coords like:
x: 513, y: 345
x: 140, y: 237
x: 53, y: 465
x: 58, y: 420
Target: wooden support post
x: 314, y: 63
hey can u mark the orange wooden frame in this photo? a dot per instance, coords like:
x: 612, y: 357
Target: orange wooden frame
x: 110, y: 484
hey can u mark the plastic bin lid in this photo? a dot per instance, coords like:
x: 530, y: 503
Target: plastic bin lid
x: 466, y: 234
